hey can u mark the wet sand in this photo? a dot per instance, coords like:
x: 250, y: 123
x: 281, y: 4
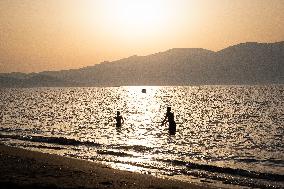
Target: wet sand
x: 28, y: 169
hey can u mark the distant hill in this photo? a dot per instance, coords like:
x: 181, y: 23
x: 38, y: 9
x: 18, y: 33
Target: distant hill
x: 31, y: 80
x: 246, y: 63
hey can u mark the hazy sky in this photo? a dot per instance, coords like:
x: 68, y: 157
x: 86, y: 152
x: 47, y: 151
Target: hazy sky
x: 37, y: 35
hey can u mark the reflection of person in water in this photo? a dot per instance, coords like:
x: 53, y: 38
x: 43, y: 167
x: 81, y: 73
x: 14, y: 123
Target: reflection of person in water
x: 119, y: 119
x: 171, y: 119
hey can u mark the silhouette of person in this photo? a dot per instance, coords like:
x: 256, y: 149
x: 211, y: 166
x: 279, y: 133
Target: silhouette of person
x: 171, y: 119
x: 119, y: 119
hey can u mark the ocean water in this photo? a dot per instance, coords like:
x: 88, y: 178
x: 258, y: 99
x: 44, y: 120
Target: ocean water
x: 227, y: 136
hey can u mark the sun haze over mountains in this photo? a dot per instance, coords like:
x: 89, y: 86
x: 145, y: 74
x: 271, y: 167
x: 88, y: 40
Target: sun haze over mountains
x: 39, y: 35
x: 246, y: 63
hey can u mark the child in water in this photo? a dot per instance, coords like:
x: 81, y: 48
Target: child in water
x: 118, y: 119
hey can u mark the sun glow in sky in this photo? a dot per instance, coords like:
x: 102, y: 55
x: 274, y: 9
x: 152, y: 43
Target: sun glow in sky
x: 39, y: 35
x: 137, y: 17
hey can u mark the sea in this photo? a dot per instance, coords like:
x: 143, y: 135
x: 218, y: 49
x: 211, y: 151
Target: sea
x: 226, y: 136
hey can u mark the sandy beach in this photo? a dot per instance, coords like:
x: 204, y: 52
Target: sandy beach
x: 28, y: 169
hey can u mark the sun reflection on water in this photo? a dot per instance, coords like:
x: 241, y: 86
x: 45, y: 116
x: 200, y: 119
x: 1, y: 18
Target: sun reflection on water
x: 140, y: 111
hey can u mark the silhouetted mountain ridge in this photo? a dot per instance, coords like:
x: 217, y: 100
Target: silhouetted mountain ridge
x: 32, y: 80
x: 245, y: 63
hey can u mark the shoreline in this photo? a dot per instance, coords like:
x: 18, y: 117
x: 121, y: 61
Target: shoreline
x: 21, y: 168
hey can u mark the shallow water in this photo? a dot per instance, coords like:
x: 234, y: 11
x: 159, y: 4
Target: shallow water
x: 226, y: 135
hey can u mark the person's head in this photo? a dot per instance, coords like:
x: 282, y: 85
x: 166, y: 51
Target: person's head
x: 169, y: 109
x: 118, y: 113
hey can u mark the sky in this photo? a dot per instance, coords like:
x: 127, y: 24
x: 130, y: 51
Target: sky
x: 40, y: 35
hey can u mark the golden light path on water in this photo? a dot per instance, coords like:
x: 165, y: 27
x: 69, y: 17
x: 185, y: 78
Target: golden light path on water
x: 139, y: 110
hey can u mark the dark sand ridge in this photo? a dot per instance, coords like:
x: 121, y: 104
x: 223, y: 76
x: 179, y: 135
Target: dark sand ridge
x: 28, y: 169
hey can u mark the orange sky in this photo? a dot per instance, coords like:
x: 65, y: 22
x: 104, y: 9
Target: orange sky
x: 38, y: 35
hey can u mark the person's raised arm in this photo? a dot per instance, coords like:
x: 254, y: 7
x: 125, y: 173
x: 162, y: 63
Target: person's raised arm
x: 122, y: 120
x: 164, y: 121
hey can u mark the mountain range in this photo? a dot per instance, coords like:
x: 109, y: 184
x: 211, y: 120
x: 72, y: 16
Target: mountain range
x: 245, y: 63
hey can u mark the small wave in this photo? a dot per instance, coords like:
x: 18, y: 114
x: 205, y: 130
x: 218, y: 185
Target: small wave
x: 51, y: 140
x: 136, y: 148
x: 9, y: 130
x: 45, y: 147
x: 251, y: 160
x: 108, y: 152
x: 275, y: 161
x: 227, y: 170
x: 248, y: 160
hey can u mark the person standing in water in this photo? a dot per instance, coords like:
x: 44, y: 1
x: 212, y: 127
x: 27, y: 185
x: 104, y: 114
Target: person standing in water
x: 119, y: 119
x: 171, y: 119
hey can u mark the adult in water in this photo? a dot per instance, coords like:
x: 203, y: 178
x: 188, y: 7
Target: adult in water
x: 171, y: 119
x: 119, y: 119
